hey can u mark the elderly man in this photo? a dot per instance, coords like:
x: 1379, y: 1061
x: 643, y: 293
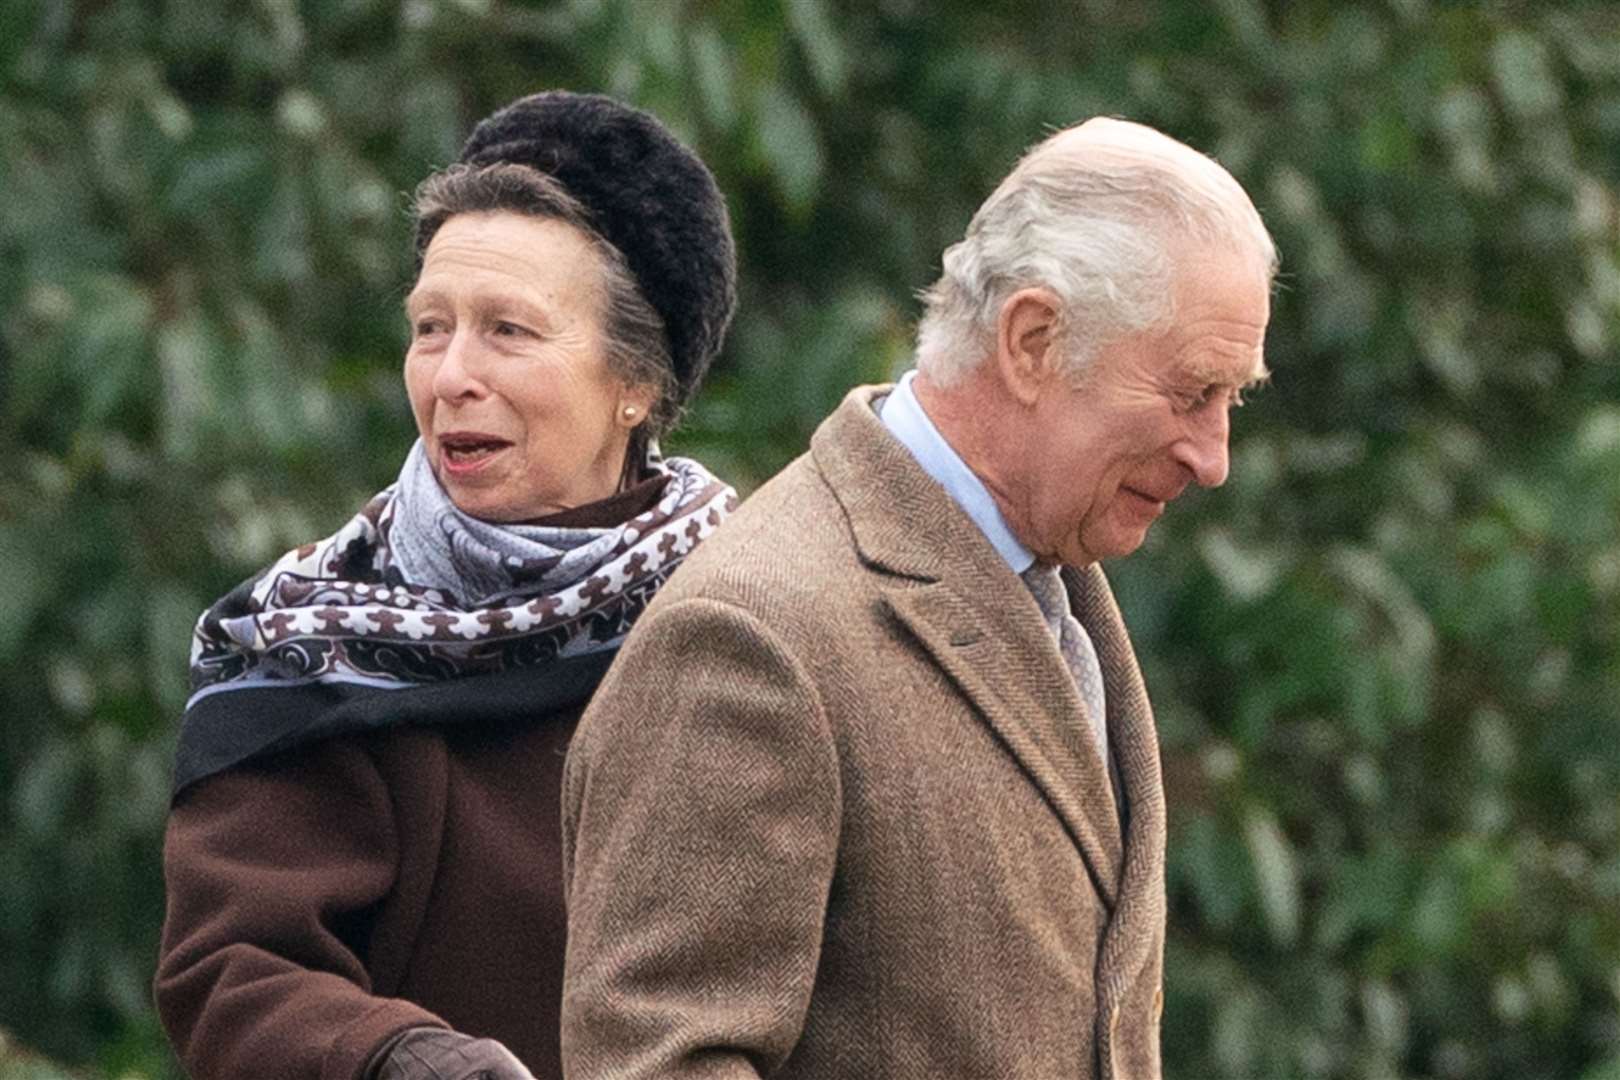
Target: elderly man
x: 874, y: 788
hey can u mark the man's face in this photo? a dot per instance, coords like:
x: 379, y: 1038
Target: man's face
x: 1102, y: 460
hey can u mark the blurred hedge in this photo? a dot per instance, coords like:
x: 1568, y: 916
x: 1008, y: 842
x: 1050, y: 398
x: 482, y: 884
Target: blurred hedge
x: 1385, y: 656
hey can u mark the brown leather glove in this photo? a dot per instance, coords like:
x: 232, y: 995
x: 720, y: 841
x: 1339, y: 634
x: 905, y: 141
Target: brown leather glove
x: 427, y: 1053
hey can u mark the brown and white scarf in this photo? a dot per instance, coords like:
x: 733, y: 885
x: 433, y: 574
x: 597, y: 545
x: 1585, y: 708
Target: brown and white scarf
x: 412, y: 591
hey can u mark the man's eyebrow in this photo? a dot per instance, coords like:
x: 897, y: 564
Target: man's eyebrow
x: 416, y: 300
x: 1216, y: 375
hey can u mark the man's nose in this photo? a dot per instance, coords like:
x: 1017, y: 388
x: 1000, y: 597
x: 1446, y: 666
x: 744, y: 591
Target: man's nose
x: 1203, y: 450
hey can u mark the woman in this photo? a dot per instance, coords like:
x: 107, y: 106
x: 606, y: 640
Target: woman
x: 362, y: 855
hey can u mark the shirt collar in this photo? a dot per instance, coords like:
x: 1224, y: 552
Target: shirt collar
x: 903, y: 415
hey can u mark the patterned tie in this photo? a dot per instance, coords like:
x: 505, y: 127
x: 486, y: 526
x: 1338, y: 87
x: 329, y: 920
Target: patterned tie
x: 1075, y: 645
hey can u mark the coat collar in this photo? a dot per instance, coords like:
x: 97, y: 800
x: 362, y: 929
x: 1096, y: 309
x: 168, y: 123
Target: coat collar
x: 957, y: 598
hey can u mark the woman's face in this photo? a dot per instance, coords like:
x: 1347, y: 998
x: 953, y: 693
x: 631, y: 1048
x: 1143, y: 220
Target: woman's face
x: 507, y: 370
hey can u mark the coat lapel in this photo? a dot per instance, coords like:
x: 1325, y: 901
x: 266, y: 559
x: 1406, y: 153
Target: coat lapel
x: 1026, y: 708
x: 1136, y: 929
x: 951, y: 590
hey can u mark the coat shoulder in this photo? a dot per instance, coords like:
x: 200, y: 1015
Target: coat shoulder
x: 788, y: 547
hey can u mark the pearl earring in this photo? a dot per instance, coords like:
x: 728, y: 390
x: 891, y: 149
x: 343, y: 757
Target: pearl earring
x: 629, y: 412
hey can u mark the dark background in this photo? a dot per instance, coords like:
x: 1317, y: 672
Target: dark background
x: 1385, y: 656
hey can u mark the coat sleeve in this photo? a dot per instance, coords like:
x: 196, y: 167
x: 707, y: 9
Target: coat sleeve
x: 272, y: 872
x: 701, y: 818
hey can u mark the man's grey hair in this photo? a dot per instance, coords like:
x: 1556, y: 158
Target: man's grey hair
x: 1101, y: 235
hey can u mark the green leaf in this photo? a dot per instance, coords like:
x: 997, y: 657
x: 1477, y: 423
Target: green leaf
x: 27, y: 587
x: 1523, y: 72
x: 712, y: 73
x: 788, y: 141
x: 46, y: 790
x: 1275, y: 873
x: 108, y: 344
x: 813, y: 29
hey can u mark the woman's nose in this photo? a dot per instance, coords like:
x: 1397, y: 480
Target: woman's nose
x: 456, y: 378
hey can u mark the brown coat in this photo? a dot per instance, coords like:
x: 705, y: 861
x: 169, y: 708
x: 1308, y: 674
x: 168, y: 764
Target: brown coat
x: 323, y: 898
x: 835, y: 812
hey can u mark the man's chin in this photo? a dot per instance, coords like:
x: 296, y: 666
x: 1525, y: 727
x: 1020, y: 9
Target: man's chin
x: 1116, y: 545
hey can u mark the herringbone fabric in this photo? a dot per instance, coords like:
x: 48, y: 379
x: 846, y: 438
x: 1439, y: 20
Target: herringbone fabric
x: 1046, y: 585
x: 834, y: 812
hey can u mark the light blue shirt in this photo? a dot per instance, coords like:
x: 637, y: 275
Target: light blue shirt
x: 903, y: 415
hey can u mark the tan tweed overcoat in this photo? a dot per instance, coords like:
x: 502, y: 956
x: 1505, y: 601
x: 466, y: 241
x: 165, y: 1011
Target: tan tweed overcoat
x: 835, y: 811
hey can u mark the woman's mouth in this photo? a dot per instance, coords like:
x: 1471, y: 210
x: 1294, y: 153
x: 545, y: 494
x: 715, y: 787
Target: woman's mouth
x: 461, y: 454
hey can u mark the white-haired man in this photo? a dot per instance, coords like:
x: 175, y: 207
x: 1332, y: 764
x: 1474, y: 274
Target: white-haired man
x: 874, y: 789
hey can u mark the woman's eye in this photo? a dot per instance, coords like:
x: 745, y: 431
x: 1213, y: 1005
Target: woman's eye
x: 424, y: 327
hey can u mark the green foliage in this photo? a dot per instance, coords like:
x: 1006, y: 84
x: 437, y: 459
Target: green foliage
x: 17, y: 1063
x: 1385, y: 655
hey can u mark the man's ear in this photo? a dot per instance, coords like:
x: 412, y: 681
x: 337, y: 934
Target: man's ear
x: 1026, y: 342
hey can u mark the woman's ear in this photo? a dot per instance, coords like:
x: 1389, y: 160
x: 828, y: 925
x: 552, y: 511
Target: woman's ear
x: 635, y: 403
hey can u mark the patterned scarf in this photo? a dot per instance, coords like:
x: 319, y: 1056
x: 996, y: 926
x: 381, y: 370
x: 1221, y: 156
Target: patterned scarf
x: 413, y: 591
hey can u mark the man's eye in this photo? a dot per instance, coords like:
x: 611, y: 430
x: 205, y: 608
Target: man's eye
x: 508, y: 329
x: 1192, y: 400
